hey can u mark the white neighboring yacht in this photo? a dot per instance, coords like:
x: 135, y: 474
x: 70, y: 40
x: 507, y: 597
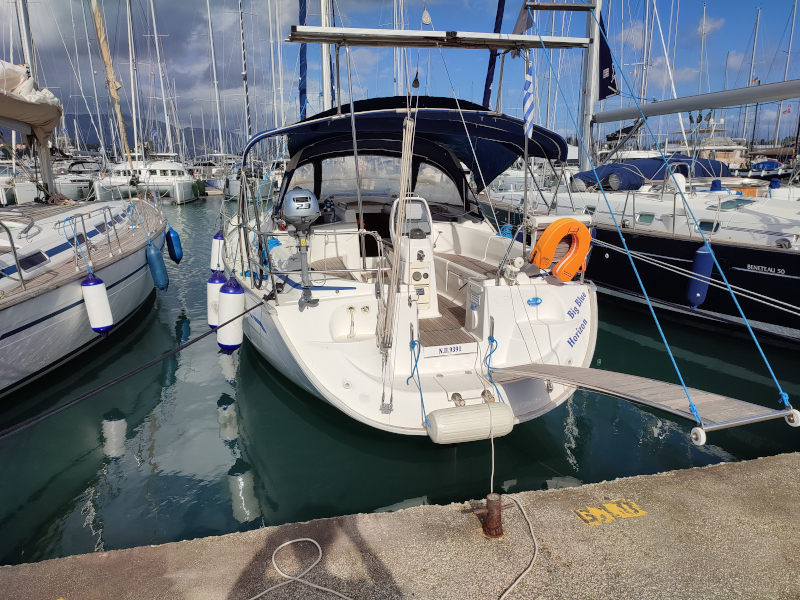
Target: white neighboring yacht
x: 168, y: 179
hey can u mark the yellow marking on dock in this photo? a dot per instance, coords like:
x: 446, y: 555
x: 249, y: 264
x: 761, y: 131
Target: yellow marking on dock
x: 616, y: 509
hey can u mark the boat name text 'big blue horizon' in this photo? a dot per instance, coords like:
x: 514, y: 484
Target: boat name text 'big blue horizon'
x: 574, y: 339
x: 574, y: 312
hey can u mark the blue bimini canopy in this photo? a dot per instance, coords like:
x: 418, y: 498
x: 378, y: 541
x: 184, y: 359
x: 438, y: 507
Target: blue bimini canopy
x: 495, y: 140
x: 633, y: 174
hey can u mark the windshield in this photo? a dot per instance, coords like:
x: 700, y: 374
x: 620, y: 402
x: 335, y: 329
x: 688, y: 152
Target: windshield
x: 380, y: 176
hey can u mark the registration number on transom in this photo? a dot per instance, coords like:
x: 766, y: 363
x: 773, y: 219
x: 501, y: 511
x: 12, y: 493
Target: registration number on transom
x: 431, y: 351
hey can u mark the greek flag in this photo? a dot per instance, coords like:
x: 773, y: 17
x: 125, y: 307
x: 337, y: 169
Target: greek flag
x: 527, y: 101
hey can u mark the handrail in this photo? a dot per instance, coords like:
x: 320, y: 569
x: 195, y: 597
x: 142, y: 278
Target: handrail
x: 14, y: 252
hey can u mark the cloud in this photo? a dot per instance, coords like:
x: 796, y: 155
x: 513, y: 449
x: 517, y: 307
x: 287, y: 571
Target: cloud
x: 711, y: 25
x: 633, y: 38
x: 658, y: 75
x: 735, y: 60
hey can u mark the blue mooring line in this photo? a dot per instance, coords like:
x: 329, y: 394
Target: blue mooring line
x: 692, y: 407
x: 783, y: 396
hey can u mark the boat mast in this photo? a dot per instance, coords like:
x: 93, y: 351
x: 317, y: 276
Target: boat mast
x: 160, y: 76
x: 702, y: 48
x: 194, y: 144
x: 752, y: 67
x: 216, y: 81
x: 325, y: 65
x: 280, y: 61
x: 132, y: 69
x: 94, y: 83
x: 203, y: 125
x: 272, y: 67
x: 244, y: 74
x: 590, y: 82
x: 786, y: 71
x: 28, y: 54
x: 113, y: 86
x: 13, y: 131
x: 30, y: 63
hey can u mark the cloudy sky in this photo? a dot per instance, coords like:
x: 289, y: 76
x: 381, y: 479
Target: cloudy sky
x: 58, y: 26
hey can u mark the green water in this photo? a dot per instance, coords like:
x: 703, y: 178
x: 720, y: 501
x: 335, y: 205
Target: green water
x: 288, y: 457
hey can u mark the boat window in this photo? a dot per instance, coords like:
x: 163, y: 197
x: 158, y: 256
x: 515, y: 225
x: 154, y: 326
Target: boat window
x: 733, y: 204
x: 589, y: 210
x: 173, y: 172
x: 33, y: 260
x: 709, y: 226
x: 81, y: 240
x: 436, y: 186
x: 645, y: 218
x: 182, y: 173
x: 380, y: 176
x: 101, y: 227
x: 152, y: 171
x: 164, y: 172
x: 119, y: 218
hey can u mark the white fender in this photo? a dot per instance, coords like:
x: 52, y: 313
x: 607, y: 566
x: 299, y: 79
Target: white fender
x: 231, y: 304
x: 95, y: 297
x: 215, y: 283
x: 217, y: 247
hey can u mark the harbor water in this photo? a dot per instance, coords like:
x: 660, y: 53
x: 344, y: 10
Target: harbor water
x: 206, y: 444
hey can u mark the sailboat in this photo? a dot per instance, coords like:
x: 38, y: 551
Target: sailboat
x: 71, y: 272
x: 388, y: 294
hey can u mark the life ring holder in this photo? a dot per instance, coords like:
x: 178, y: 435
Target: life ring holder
x: 574, y: 261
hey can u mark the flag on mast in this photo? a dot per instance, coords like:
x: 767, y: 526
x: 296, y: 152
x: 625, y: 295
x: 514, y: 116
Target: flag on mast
x: 527, y: 101
x: 787, y: 111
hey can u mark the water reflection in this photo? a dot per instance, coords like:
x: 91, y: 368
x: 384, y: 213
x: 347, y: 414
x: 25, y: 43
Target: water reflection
x: 243, y: 494
x: 115, y: 429
x: 228, y: 423
x: 207, y: 444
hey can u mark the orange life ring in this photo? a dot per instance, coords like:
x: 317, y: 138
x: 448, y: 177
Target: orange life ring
x: 574, y: 261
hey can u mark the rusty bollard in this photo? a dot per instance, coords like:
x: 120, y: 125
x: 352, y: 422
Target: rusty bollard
x: 493, y: 522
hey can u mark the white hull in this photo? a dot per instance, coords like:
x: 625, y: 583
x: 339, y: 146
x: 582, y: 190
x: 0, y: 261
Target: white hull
x: 313, y: 349
x: 39, y: 334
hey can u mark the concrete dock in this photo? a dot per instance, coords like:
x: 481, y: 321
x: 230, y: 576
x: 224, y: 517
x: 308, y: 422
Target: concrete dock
x: 725, y: 531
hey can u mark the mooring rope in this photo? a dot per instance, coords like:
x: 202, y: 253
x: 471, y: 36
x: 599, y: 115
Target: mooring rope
x: 783, y: 396
x: 6, y: 433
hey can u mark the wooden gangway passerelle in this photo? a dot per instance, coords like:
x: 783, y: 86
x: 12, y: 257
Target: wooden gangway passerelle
x: 716, y: 412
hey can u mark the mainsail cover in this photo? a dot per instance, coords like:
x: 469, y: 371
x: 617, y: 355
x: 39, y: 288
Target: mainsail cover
x: 21, y: 101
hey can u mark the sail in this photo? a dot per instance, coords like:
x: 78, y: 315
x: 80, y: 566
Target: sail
x: 21, y: 101
x: 608, y: 75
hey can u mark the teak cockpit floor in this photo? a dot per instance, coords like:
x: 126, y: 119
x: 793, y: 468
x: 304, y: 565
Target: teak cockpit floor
x: 447, y: 329
x: 483, y: 269
x: 333, y: 263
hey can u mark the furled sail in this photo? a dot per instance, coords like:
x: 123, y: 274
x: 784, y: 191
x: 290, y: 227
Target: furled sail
x: 21, y: 101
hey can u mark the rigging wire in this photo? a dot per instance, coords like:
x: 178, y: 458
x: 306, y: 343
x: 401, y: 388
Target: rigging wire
x: 784, y: 397
x: 692, y: 407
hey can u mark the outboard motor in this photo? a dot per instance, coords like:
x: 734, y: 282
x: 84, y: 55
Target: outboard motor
x: 301, y: 209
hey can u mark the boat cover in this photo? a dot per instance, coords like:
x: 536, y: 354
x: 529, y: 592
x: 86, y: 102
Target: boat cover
x: 633, y: 174
x: 21, y: 101
x: 495, y: 141
x: 767, y: 165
